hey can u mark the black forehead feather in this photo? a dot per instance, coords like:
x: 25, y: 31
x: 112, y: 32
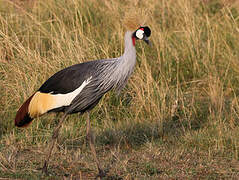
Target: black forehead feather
x: 147, y: 31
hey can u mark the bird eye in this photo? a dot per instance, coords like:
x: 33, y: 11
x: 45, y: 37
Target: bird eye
x: 139, y: 34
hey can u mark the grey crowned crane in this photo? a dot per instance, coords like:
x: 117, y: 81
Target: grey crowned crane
x: 79, y: 88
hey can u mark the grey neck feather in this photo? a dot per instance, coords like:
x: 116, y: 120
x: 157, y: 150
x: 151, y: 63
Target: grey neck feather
x: 129, y: 50
x: 115, y: 72
x: 126, y: 62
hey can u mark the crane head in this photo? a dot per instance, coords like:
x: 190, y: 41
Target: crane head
x: 143, y: 33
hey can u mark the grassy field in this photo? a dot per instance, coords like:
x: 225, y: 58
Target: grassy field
x: 177, y: 118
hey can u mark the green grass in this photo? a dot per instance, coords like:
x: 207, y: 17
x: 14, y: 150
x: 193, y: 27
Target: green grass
x: 177, y: 117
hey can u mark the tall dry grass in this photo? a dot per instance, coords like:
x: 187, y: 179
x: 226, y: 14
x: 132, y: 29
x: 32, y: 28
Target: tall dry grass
x: 184, y: 89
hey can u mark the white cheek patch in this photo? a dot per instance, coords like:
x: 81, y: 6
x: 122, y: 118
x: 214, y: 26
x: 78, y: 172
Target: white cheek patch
x: 140, y: 34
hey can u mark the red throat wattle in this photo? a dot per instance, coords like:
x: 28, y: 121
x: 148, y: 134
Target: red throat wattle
x: 133, y: 40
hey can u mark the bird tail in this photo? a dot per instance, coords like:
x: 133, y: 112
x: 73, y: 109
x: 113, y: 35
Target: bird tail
x: 23, y: 118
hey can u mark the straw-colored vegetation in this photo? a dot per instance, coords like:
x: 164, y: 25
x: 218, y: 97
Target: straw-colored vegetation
x: 178, y: 116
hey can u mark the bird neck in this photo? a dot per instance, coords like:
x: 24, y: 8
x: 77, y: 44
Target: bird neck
x: 129, y: 50
x: 115, y: 72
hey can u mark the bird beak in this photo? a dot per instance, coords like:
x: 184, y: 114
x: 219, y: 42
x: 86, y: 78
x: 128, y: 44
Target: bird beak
x: 146, y: 39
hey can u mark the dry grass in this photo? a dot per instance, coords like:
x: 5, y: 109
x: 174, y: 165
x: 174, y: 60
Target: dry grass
x: 176, y: 119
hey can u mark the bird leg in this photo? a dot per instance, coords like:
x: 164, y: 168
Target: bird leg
x: 91, y: 141
x: 53, y: 141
